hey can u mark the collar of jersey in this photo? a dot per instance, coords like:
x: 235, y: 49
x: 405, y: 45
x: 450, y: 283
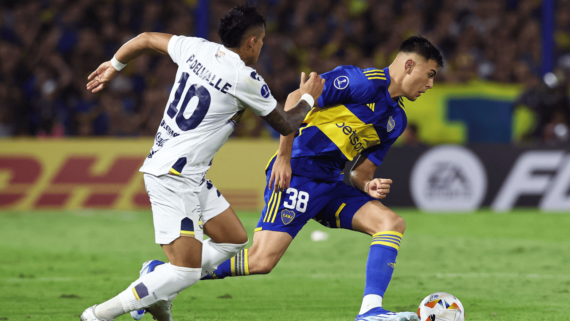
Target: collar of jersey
x: 230, y: 53
x: 388, y: 79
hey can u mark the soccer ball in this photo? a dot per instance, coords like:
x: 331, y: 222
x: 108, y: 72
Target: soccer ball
x: 441, y: 306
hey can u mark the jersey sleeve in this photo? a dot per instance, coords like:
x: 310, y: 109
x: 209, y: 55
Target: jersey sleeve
x: 252, y: 92
x: 346, y: 84
x: 179, y: 47
x: 376, y: 153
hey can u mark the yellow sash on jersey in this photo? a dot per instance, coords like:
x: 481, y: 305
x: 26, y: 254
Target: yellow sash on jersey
x: 350, y: 134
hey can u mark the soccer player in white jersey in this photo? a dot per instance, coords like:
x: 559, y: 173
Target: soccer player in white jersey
x: 213, y: 87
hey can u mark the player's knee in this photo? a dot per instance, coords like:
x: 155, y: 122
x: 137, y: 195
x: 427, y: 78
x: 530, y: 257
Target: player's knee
x: 399, y: 224
x: 242, y: 239
x: 388, y: 221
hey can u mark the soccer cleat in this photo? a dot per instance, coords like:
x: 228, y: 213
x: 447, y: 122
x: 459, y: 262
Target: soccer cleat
x: 89, y: 315
x: 379, y: 314
x: 160, y: 311
x: 147, y: 267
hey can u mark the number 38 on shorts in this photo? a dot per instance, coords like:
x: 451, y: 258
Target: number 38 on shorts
x: 332, y: 204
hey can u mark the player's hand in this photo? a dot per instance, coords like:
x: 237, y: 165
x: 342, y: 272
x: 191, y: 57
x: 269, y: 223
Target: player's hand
x: 280, y: 175
x: 314, y: 86
x: 379, y: 187
x: 101, y: 77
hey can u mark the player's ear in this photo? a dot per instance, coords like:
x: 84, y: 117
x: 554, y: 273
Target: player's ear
x: 410, y: 63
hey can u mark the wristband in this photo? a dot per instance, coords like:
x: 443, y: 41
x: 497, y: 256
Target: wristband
x: 366, y: 187
x: 309, y: 99
x: 117, y: 64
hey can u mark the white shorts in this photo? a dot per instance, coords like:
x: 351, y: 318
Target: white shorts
x: 182, y: 205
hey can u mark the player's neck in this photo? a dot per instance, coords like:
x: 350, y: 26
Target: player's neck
x: 244, y: 57
x: 395, y: 87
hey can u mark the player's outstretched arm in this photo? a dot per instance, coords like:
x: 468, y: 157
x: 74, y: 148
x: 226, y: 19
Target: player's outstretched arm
x: 147, y: 42
x: 362, y: 177
x: 287, y: 122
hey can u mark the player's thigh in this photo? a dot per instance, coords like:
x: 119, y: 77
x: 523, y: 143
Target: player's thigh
x: 175, y: 209
x: 349, y: 208
x: 374, y: 217
x: 219, y: 220
x: 267, y: 249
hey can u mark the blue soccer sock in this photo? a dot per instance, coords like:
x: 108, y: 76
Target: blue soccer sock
x: 236, y: 266
x: 379, y: 268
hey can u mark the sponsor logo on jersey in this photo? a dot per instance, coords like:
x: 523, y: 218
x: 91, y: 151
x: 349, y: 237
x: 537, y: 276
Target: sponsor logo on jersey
x: 159, y: 140
x: 352, y: 136
x: 265, y: 91
x: 391, y: 124
x: 287, y: 216
x: 392, y: 265
x: 341, y: 82
x: 169, y: 130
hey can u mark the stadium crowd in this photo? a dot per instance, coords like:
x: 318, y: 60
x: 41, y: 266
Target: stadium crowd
x: 49, y: 47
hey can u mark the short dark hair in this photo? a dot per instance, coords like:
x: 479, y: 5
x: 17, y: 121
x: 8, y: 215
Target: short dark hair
x: 420, y: 45
x: 235, y: 24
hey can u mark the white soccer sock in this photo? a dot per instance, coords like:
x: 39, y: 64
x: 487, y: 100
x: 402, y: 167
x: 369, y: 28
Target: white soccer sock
x: 159, y: 285
x: 370, y: 302
x: 214, y: 254
x: 109, y: 309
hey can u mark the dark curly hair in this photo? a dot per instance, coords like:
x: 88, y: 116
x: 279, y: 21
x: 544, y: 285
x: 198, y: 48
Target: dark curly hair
x: 235, y: 24
x: 422, y: 46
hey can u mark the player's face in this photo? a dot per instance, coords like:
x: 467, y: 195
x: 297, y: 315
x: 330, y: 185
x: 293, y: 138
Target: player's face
x: 419, y: 78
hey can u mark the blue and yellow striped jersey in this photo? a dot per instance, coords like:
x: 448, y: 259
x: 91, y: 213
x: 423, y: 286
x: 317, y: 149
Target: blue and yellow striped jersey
x: 355, y: 115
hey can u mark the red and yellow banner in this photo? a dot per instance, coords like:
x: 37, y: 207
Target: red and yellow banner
x: 103, y: 173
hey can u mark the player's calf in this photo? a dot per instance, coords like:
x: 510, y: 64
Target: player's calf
x: 267, y: 249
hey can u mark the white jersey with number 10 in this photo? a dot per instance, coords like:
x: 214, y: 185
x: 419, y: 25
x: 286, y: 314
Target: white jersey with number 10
x: 213, y: 87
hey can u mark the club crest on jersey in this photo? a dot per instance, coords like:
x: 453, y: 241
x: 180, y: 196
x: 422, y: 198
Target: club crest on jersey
x: 265, y: 91
x: 287, y: 216
x: 341, y: 82
x: 391, y: 124
x: 220, y: 54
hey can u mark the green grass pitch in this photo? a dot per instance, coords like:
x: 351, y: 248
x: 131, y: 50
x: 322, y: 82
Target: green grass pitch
x: 513, y: 266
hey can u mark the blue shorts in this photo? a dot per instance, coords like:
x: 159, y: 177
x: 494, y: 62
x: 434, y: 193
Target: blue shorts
x: 333, y: 204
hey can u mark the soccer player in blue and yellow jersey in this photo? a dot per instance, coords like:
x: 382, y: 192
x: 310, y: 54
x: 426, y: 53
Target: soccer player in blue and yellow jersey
x: 360, y: 114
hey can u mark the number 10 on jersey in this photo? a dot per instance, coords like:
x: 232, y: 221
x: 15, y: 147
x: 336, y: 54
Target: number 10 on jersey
x: 195, y: 90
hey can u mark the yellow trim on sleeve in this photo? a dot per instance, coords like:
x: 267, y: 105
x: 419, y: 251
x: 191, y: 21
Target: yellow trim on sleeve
x: 174, y: 172
x: 337, y: 214
x: 373, y: 70
x: 258, y: 229
x: 136, y: 294
x: 383, y: 78
x: 187, y: 233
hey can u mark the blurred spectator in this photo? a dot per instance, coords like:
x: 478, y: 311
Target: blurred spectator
x: 49, y: 47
